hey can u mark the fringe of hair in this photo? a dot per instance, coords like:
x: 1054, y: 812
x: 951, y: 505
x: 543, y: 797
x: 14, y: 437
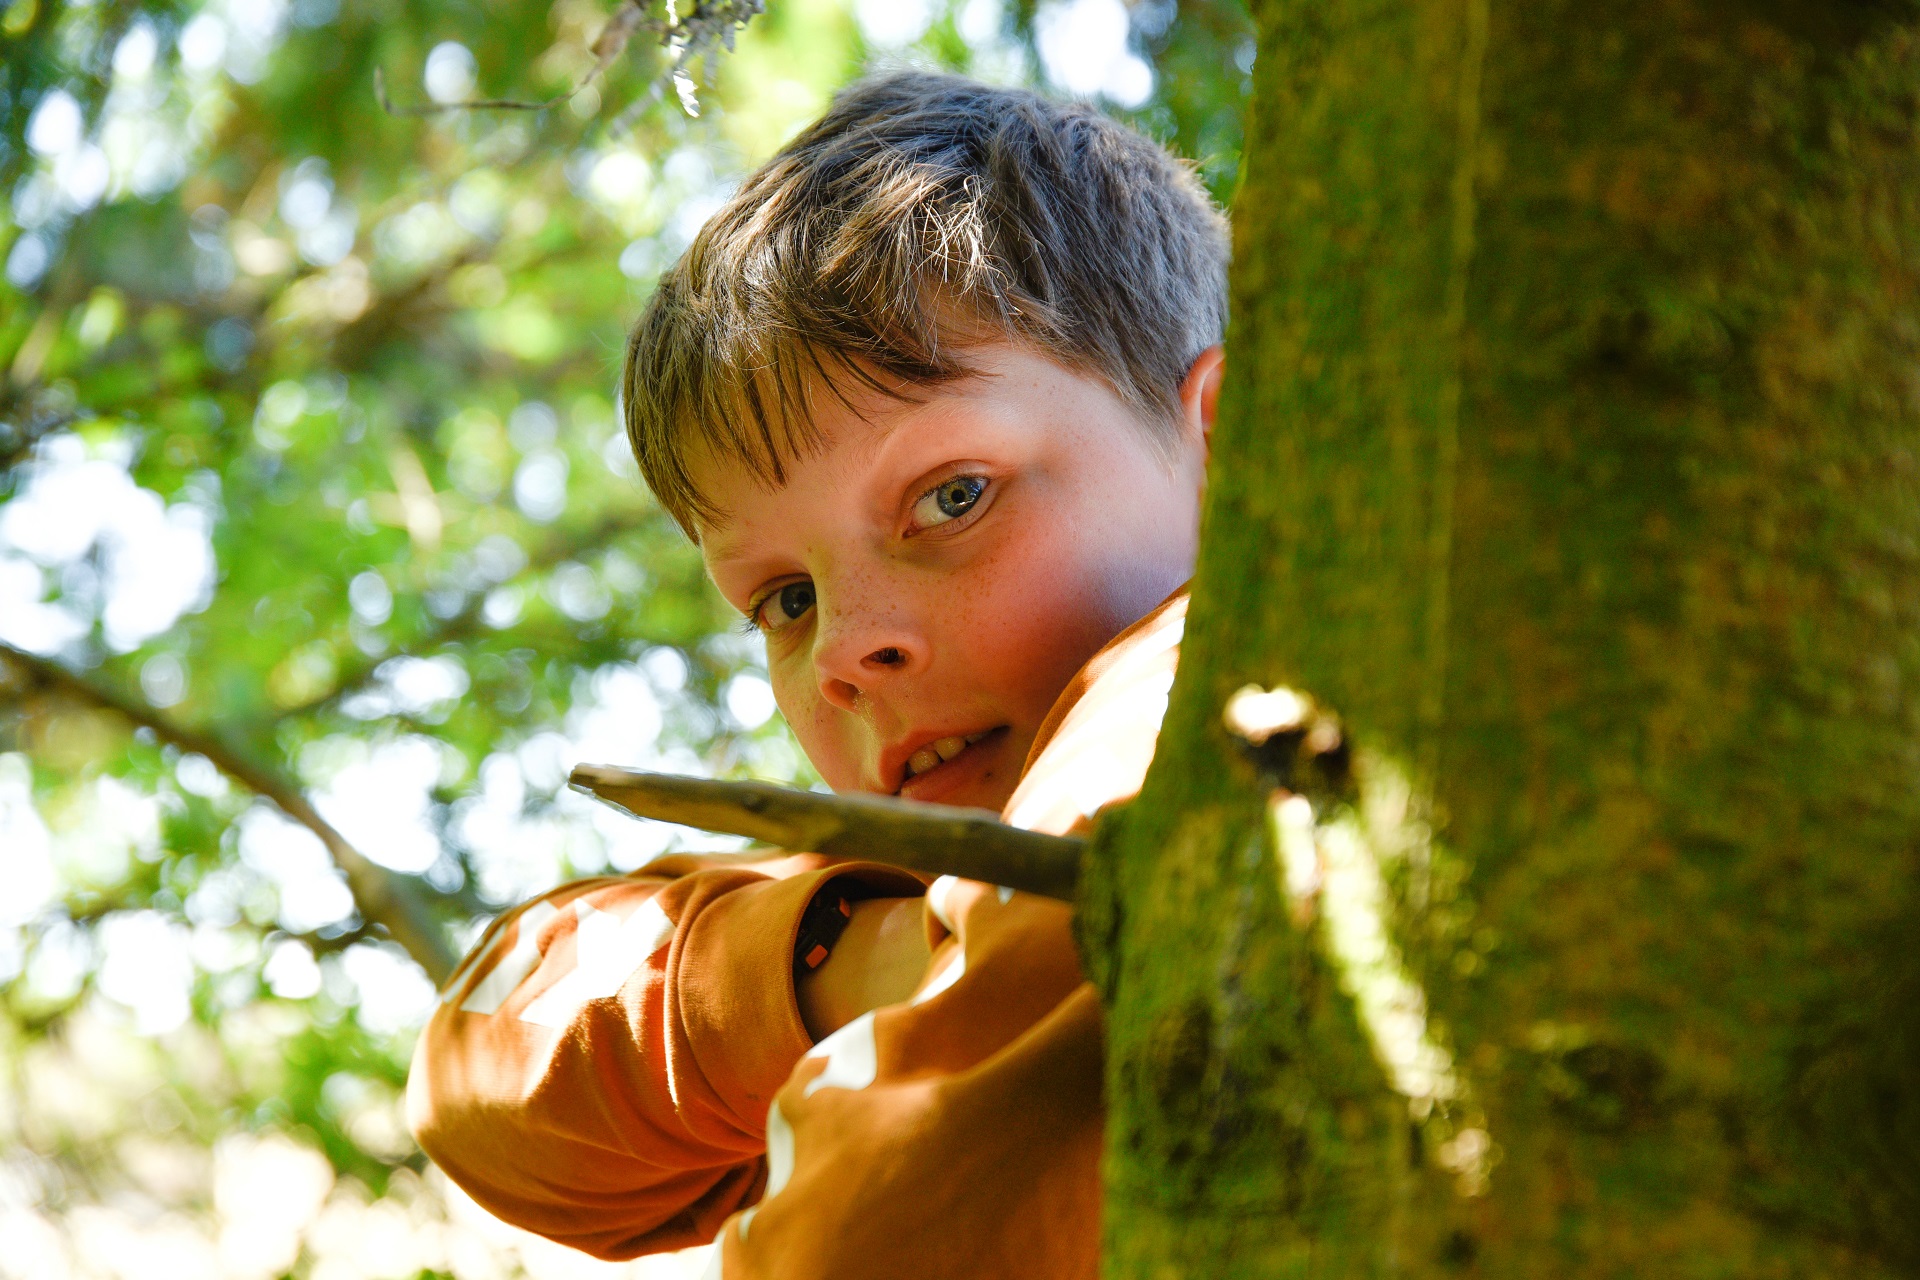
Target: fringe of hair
x: 921, y: 216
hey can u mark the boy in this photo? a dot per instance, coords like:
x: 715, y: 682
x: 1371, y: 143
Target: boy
x: 932, y: 394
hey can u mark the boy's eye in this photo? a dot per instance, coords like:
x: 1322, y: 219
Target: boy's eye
x: 948, y: 500
x: 783, y: 606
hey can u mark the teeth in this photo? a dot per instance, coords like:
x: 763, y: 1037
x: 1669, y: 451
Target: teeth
x: 938, y: 752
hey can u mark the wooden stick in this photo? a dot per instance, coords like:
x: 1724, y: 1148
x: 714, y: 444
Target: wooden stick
x: 932, y: 839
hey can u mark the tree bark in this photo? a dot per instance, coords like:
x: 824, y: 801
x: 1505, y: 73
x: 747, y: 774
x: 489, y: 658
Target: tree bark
x: 1570, y: 451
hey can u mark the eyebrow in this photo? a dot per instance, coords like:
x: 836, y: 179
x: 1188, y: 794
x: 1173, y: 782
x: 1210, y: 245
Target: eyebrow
x: 722, y: 543
x: 725, y: 550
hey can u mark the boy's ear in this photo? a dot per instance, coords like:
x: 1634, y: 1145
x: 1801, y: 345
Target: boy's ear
x: 1200, y: 392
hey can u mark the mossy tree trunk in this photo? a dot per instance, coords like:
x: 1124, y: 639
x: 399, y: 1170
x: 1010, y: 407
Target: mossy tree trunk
x: 1570, y: 451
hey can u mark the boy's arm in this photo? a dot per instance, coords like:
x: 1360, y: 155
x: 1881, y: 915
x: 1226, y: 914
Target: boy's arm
x: 880, y: 960
x: 599, y: 1069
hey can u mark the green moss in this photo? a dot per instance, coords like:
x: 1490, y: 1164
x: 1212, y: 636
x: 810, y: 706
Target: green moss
x: 1569, y: 451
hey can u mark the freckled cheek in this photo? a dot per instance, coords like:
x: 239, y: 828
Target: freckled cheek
x: 823, y: 731
x: 1035, y: 619
x: 1049, y: 611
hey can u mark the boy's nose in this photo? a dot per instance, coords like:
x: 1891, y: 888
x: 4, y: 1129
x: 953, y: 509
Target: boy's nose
x: 853, y: 665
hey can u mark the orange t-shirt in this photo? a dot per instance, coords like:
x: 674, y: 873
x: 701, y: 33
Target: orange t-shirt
x: 620, y: 1065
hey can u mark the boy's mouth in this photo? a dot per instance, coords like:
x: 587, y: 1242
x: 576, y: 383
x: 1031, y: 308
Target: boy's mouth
x: 935, y: 754
x: 938, y: 758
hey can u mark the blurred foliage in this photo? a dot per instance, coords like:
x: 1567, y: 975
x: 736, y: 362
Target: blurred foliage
x: 308, y: 448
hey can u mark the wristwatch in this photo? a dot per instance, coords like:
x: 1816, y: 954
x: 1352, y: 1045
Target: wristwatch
x: 821, y: 925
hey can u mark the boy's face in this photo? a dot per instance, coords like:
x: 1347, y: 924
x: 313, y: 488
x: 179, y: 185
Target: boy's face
x: 931, y: 579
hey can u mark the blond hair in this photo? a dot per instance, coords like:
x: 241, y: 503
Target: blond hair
x: 922, y: 215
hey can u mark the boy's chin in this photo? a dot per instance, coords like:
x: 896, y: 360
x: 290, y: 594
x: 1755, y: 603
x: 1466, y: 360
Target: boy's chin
x: 981, y: 777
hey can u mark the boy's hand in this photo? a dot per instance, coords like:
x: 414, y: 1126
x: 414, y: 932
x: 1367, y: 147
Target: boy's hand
x: 879, y: 960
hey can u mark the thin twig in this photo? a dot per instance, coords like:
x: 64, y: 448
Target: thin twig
x: 932, y: 839
x: 322, y: 944
x: 358, y: 675
x: 382, y: 897
x: 418, y: 111
x: 607, y: 46
x: 686, y: 37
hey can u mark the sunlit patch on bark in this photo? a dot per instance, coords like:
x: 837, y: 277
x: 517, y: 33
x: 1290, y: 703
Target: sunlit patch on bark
x: 1331, y: 872
x: 1257, y: 714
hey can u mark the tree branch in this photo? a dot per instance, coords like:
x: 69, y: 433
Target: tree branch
x: 354, y: 677
x: 382, y: 897
x: 932, y: 838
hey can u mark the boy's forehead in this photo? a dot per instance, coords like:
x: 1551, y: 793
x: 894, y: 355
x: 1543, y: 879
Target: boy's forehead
x: 736, y: 491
